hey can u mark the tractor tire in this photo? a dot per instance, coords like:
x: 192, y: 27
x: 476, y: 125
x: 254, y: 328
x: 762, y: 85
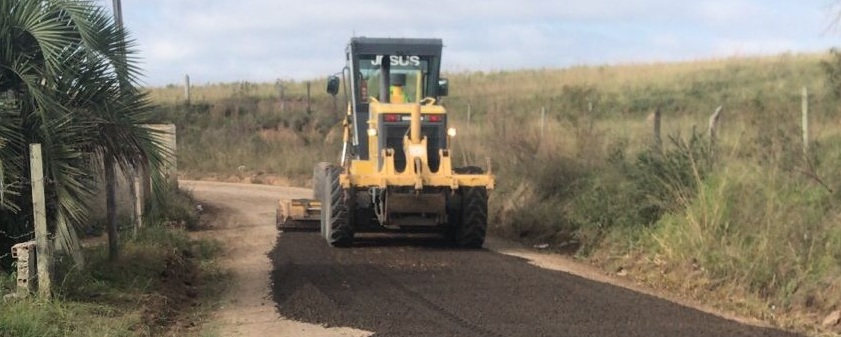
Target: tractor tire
x: 473, y: 220
x: 319, y: 175
x: 337, y: 226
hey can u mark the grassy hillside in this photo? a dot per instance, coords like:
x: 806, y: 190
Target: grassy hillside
x: 748, y: 222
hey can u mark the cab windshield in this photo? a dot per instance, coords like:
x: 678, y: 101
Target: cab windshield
x: 407, y: 76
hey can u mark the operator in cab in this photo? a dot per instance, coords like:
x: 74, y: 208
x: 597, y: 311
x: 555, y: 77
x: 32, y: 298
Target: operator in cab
x: 396, y: 91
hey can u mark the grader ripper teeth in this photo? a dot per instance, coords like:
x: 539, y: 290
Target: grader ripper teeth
x: 395, y: 172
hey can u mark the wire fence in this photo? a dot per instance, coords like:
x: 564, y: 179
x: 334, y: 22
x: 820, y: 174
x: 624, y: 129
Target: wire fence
x: 15, y: 238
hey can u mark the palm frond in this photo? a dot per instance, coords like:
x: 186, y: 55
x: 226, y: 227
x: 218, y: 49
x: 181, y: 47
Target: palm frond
x: 74, y: 73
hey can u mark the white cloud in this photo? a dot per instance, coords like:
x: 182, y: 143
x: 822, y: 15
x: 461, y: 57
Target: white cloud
x: 730, y: 12
x: 262, y: 40
x: 743, y: 47
x: 165, y: 50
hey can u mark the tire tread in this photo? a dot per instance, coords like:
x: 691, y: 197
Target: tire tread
x: 474, y: 218
x: 338, y: 228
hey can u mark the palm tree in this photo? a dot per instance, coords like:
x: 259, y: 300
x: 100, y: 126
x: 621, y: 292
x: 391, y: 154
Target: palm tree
x: 69, y: 74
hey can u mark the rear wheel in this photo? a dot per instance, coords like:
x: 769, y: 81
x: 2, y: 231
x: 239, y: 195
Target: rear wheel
x: 337, y: 227
x: 473, y: 224
x: 468, y: 216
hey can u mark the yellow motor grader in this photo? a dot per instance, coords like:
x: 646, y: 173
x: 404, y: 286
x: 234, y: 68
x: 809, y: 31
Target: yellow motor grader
x: 395, y: 172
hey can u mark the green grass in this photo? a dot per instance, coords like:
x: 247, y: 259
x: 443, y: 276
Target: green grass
x: 749, y: 216
x: 162, y: 279
x: 56, y: 318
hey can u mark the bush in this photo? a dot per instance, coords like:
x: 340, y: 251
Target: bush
x: 832, y: 69
x: 769, y: 231
x: 668, y: 178
x: 172, y: 206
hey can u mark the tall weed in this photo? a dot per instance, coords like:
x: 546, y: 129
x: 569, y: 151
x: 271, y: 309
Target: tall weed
x: 772, y: 232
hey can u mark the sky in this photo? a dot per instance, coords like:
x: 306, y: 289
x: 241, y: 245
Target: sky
x: 267, y: 40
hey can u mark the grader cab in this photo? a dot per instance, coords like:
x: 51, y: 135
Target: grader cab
x: 395, y: 172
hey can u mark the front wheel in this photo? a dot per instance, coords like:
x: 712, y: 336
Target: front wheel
x: 337, y: 227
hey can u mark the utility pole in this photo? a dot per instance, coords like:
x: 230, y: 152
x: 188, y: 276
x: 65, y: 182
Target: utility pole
x: 110, y: 174
x: 118, y: 13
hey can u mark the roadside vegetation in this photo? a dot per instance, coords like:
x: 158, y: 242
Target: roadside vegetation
x: 164, y: 284
x: 242, y: 131
x: 746, y: 222
x: 68, y: 82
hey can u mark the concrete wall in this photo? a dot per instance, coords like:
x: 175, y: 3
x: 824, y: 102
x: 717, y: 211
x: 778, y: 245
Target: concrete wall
x: 124, y: 197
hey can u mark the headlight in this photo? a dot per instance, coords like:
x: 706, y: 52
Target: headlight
x: 372, y: 132
x: 452, y: 132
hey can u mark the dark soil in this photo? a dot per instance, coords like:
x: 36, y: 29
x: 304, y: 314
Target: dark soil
x: 166, y: 308
x: 423, y: 287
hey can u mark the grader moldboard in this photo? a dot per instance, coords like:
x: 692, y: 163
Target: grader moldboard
x: 395, y: 172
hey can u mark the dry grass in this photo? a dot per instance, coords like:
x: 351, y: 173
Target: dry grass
x: 750, y: 217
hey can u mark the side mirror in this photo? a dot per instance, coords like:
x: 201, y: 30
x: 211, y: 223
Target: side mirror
x: 443, y: 87
x: 333, y: 85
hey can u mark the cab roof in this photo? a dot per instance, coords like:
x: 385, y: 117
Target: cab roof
x: 395, y: 46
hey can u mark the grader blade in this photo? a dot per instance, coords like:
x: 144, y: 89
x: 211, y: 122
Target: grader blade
x: 298, y: 215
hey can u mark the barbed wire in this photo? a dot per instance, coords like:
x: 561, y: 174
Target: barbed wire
x: 17, y: 237
x: 19, y: 183
x: 24, y: 182
x: 15, y: 184
x: 14, y: 238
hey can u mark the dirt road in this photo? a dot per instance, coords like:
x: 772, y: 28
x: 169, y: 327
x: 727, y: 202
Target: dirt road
x: 245, y: 223
x: 292, y: 284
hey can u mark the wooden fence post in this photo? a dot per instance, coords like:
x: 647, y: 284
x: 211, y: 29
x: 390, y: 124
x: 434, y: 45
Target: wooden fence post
x: 469, y: 114
x: 716, y: 116
x: 281, y: 88
x: 805, y: 121
x: 657, y: 139
x: 43, y: 245
x: 542, y: 121
x: 309, y: 99
x: 187, y: 94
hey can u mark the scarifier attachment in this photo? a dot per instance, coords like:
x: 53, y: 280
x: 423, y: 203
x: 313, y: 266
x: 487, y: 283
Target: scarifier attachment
x: 298, y: 215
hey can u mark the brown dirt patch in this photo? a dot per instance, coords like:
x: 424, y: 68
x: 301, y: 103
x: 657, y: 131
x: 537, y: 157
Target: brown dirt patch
x: 167, y: 309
